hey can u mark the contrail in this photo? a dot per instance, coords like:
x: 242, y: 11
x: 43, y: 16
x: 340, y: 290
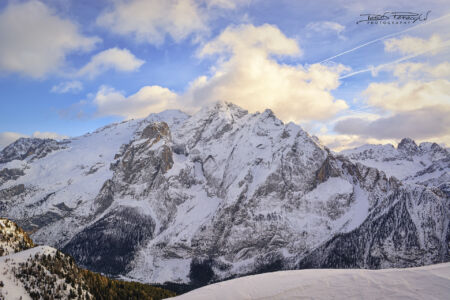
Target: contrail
x: 446, y: 44
x: 384, y: 37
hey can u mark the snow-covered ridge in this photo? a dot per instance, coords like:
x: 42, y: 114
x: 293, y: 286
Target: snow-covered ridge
x: 427, y: 164
x: 222, y: 193
x: 431, y: 282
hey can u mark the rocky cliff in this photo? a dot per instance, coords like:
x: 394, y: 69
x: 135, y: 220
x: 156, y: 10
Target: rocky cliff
x: 222, y: 193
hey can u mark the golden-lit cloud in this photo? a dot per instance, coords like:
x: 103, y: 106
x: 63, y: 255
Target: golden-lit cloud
x: 249, y: 75
x: 409, y: 45
x: 148, y: 99
x: 412, y: 95
x: 414, y: 70
x: 339, y: 142
x: 416, y: 104
x: 239, y: 40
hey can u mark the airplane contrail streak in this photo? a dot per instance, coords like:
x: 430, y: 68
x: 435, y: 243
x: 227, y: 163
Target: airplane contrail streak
x: 446, y: 44
x: 383, y: 37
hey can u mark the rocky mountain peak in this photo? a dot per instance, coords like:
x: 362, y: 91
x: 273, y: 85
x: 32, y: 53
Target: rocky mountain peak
x: 221, y: 110
x: 156, y: 130
x: 408, y: 145
x: 426, y: 164
x: 231, y: 108
x: 172, y: 117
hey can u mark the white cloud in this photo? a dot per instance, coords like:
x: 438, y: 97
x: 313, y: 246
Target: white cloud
x: 147, y: 100
x: 414, y: 70
x: 151, y: 21
x: 411, y: 95
x: 248, y: 74
x: 35, y: 41
x: 113, y: 58
x: 49, y: 135
x: 67, y: 86
x: 326, y: 27
x: 267, y: 39
x: 419, y: 85
x: 339, y: 142
x: 409, y: 45
x: 7, y: 138
x: 225, y: 4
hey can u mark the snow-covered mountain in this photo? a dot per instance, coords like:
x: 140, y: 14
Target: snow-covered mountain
x: 430, y: 282
x: 222, y: 193
x: 426, y: 164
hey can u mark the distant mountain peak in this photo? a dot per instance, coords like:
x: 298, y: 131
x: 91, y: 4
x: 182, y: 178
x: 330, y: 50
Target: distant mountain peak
x: 426, y: 164
x: 31, y: 148
x: 408, y: 145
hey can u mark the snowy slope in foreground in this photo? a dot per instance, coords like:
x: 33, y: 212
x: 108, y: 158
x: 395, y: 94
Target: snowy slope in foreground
x: 430, y: 282
x: 13, y: 288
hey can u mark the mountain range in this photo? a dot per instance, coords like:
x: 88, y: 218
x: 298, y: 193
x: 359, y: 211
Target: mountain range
x: 181, y: 199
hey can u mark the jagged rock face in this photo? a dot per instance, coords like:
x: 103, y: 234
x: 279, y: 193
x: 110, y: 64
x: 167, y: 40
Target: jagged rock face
x: 140, y: 166
x: 408, y: 146
x: 409, y: 231
x: 224, y: 193
x: 10, y: 174
x: 426, y: 164
x: 29, y: 148
x: 12, y: 191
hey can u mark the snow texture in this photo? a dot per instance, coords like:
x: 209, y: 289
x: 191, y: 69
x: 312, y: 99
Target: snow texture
x: 224, y: 193
x: 431, y: 282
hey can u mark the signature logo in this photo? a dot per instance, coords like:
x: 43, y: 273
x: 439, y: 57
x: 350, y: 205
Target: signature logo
x: 394, y: 18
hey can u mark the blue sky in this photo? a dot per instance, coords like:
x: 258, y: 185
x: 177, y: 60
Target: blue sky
x: 69, y: 67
